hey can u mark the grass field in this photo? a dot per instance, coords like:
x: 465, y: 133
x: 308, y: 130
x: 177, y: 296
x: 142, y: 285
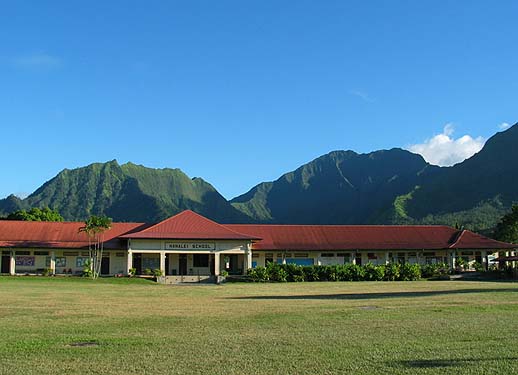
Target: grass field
x: 136, y: 326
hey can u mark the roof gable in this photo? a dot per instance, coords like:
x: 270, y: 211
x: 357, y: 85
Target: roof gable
x: 189, y: 225
x: 470, y: 240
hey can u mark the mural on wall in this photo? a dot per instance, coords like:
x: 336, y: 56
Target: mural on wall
x: 81, y: 261
x: 61, y: 262
x: 25, y: 261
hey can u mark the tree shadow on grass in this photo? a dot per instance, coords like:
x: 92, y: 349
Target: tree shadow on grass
x: 437, y: 363
x: 361, y: 296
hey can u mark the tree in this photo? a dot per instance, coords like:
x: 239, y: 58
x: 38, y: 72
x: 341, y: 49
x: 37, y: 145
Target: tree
x: 507, y: 229
x: 36, y: 214
x: 95, y: 227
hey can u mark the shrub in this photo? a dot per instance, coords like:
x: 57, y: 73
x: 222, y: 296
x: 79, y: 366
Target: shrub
x: 357, y: 272
x: 148, y: 271
x: 87, y: 269
x: 311, y: 273
x: 276, y: 272
x: 332, y: 273
x: 259, y: 274
x: 410, y: 272
x: 478, y: 267
x: 47, y: 272
x: 157, y: 272
x: 392, y: 271
x: 295, y: 272
x: 374, y: 273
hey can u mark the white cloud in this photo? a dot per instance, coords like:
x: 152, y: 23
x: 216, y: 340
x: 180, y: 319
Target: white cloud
x: 444, y: 150
x: 40, y: 60
x: 362, y: 95
x: 504, y: 126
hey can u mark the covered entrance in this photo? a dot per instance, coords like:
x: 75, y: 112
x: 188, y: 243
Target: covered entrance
x: 189, y: 246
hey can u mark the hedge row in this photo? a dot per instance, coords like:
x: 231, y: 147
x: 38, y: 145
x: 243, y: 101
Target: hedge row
x: 346, y: 272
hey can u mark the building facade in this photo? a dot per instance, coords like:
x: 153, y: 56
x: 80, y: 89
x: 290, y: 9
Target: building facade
x: 189, y: 245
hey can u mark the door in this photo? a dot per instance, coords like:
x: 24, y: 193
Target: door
x: 137, y: 263
x: 234, y: 266
x: 182, y: 265
x: 6, y: 259
x: 105, y: 266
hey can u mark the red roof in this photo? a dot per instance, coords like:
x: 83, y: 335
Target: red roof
x: 188, y: 225
x: 469, y: 240
x: 364, y: 237
x: 57, y: 234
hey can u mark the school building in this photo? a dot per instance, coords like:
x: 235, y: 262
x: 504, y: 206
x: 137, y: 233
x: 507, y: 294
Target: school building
x: 190, y: 247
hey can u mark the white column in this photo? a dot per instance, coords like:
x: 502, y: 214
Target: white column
x: 12, y: 264
x: 162, y: 262
x: 53, y: 262
x: 217, y: 266
x: 453, y: 256
x: 129, y: 262
x: 387, y: 260
x: 248, y: 258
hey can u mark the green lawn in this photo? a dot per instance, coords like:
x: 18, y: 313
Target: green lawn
x: 425, y: 327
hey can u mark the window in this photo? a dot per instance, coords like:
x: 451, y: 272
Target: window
x: 300, y: 262
x: 70, y: 253
x: 23, y: 253
x: 372, y: 256
x: 200, y: 260
x: 41, y: 253
x: 328, y: 255
x: 301, y: 255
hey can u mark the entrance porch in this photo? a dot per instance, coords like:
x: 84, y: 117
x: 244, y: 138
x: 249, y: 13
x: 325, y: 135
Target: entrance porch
x: 194, y: 264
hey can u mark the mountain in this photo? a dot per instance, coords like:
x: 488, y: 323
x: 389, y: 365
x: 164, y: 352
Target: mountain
x: 392, y: 187
x: 475, y: 192
x: 341, y: 187
x: 126, y: 192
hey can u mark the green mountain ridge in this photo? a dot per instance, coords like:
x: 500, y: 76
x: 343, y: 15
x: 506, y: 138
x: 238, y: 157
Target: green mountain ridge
x: 342, y: 187
x: 127, y: 192
x: 393, y: 187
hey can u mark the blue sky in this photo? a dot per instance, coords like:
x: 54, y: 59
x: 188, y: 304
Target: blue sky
x: 239, y: 92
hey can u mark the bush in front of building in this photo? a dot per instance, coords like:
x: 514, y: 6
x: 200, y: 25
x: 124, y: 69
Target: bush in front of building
x: 409, y: 272
x: 374, y: 273
x: 435, y: 270
x: 341, y: 272
x: 392, y: 271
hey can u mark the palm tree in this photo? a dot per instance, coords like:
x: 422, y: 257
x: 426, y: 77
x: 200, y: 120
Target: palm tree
x: 94, y: 227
